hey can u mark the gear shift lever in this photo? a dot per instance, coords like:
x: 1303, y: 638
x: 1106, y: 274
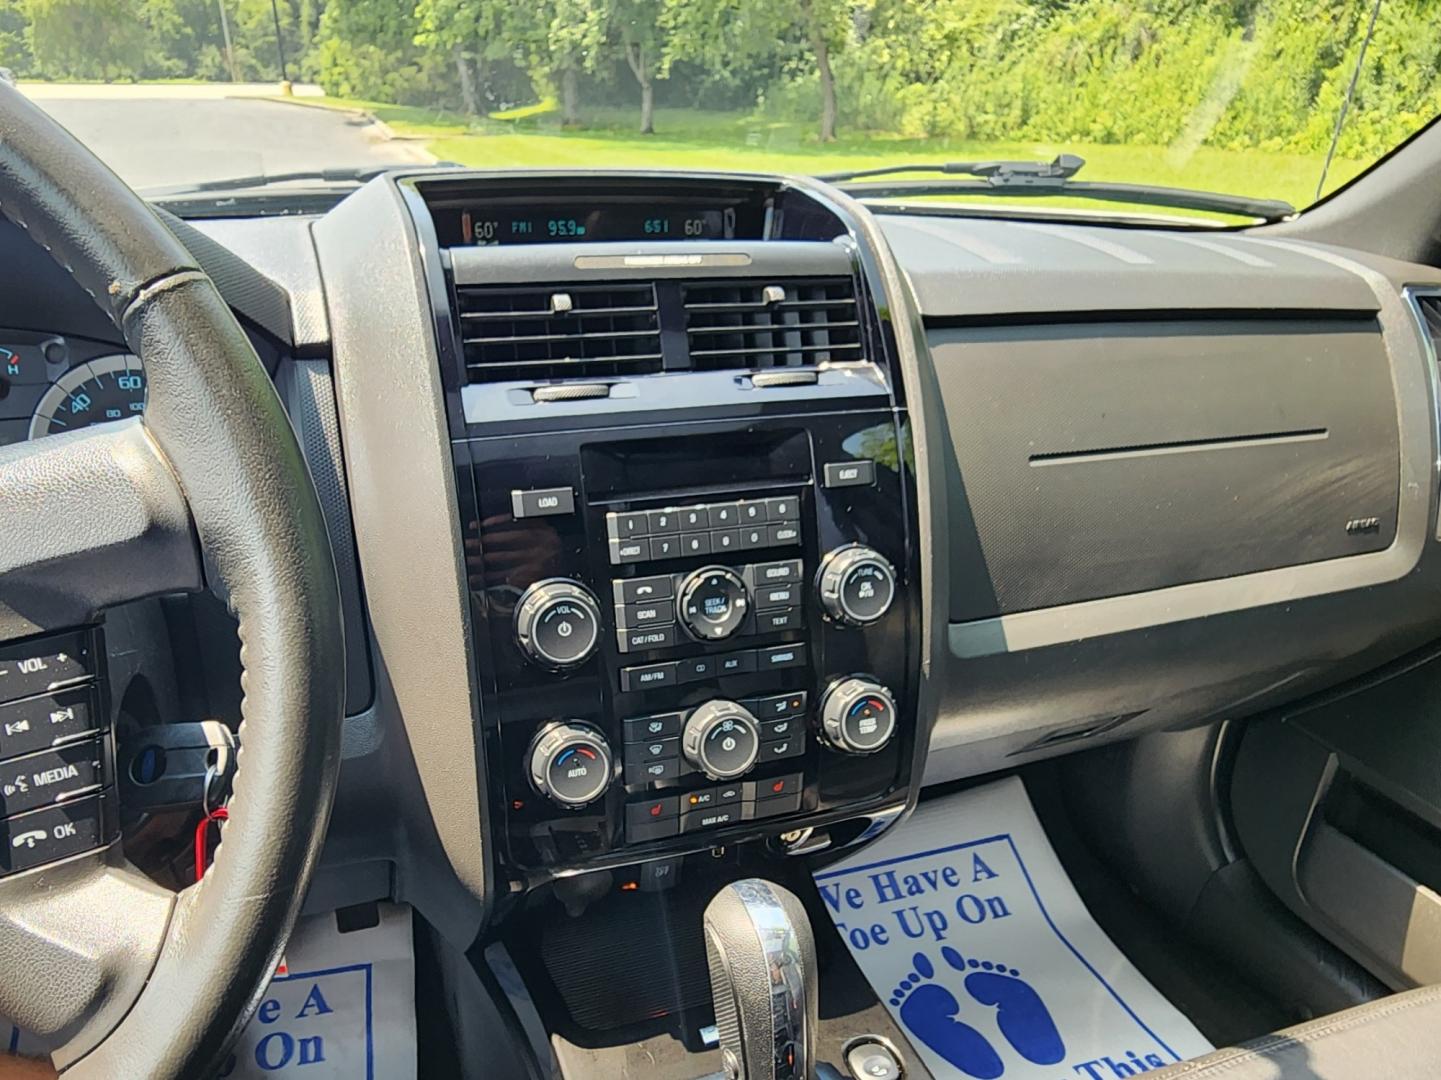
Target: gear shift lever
x: 763, y: 980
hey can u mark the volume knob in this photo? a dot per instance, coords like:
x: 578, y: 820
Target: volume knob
x: 557, y: 623
x: 857, y: 584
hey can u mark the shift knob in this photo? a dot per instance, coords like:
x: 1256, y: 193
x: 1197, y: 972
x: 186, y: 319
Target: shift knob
x: 763, y: 981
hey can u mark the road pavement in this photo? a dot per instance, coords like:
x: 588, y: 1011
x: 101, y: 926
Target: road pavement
x: 165, y: 134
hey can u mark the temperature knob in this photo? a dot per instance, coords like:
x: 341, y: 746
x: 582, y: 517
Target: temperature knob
x: 858, y: 716
x: 557, y: 623
x: 857, y: 584
x: 570, y: 764
x: 721, y: 739
x: 712, y: 603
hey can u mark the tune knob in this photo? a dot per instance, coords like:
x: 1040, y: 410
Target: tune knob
x: 721, y: 739
x: 857, y: 584
x: 858, y: 716
x: 712, y: 603
x: 557, y: 623
x: 570, y: 764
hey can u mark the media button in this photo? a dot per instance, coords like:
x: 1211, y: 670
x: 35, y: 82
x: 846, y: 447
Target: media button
x: 780, y: 656
x: 736, y: 663
x: 647, y: 677
x: 697, y: 668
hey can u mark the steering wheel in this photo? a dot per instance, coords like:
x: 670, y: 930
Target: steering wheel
x: 208, y: 488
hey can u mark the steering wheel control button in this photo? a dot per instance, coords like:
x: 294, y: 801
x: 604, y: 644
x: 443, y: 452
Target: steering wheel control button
x: 40, y: 722
x: 542, y: 502
x: 557, y: 623
x: 57, y: 832
x: 842, y: 474
x: 34, y: 667
x: 856, y: 585
x: 713, y: 603
x: 722, y: 739
x: 51, y: 776
x: 570, y: 764
x: 858, y: 716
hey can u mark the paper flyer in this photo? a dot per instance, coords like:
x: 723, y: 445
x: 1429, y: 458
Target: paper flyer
x: 968, y: 928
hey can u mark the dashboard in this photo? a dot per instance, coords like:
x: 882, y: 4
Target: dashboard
x: 685, y: 513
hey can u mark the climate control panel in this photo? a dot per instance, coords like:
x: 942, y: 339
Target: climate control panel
x: 700, y: 636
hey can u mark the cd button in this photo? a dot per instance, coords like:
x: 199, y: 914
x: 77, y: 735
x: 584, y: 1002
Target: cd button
x: 697, y: 667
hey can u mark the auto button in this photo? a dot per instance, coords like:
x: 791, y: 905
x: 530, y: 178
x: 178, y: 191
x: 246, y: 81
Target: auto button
x: 50, y: 776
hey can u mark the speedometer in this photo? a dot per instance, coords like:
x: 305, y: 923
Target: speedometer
x: 106, y: 388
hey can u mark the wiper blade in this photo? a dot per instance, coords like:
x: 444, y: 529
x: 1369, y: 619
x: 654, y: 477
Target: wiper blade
x: 1039, y: 178
x: 1063, y: 167
x: 358, y: 174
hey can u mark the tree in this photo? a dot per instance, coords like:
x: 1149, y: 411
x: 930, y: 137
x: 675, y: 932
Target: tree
x: 597, y: 30
x: 730, y: 35
x: 87, y: 38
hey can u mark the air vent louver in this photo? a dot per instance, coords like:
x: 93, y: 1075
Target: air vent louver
x: 1429, y: 304
x: 751, y: 323
x: 559, y: 331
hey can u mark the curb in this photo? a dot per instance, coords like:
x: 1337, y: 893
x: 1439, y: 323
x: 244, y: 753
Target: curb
x: 384, y: 130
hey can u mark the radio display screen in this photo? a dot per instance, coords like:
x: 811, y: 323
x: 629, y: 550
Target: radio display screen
x: 578, y: 223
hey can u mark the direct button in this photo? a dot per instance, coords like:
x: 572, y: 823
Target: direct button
x: 56, y: 832
x: 849, y: 474
x: 49, y: 776
x: 38, y: 722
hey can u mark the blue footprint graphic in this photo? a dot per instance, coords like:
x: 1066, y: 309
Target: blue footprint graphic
x: 929, y: 1011
x: 1020, y: 1013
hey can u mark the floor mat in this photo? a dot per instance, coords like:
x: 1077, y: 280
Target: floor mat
x: 969, y: 930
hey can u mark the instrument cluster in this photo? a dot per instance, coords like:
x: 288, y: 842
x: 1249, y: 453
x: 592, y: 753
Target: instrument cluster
x: 51, y: 383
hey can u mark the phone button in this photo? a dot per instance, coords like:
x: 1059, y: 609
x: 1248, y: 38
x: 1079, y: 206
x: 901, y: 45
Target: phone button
x: 57, y: 832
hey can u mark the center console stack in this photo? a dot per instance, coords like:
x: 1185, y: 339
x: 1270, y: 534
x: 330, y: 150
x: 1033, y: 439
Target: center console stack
x: 687, y: 502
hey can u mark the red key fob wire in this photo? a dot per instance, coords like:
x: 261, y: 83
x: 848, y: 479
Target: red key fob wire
x: 202, y: 839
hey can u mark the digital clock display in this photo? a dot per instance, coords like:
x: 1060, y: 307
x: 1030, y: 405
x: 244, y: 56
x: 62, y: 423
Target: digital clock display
x: 491, y: 225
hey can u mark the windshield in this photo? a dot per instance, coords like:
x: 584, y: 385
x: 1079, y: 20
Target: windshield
x: 1267, y: 99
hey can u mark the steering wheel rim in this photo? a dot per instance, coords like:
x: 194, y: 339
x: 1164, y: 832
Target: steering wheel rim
x: 209, y: 486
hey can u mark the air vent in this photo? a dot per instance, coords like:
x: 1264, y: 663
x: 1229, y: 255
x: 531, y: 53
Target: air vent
x: 559, y: 331
x: 1429, y: 304
x: 754, y: 323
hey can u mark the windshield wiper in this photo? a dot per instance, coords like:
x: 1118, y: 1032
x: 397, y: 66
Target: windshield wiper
x: 1042, y: 178
x: 358, y: 174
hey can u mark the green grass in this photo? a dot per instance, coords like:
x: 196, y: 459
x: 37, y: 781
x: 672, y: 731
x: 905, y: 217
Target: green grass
x: 693, y: 139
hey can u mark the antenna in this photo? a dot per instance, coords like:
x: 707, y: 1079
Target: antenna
x: 1346, y: 102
